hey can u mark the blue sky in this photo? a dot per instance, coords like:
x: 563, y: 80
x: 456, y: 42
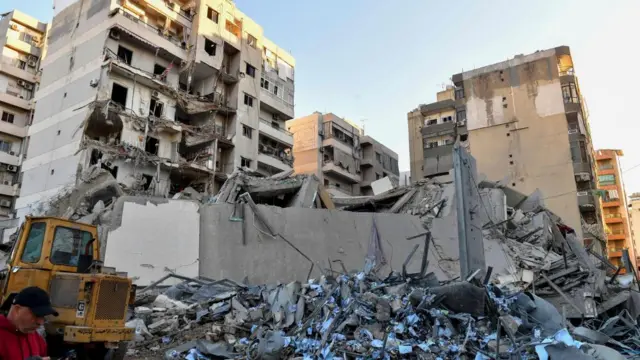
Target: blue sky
x: 377, y: 60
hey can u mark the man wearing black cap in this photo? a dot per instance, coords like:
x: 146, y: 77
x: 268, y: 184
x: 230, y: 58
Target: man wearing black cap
x: 19, y: 339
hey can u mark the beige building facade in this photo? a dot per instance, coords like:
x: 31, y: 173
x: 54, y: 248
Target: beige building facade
x: 527, y: 127
x: 22, y: 45
x: 165, y: 95
x: 335, y: 150
x: 634, y: 221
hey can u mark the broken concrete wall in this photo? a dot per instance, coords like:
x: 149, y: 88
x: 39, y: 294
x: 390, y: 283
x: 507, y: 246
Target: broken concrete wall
x: 235, y: 249
x: 150, y: 237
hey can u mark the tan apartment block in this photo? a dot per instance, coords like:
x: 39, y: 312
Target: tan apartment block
x: 615, y: 213
x: 22, y: 40
x: 634, y: 221
x: 527, y: 128
x: 166, y: 94
x: 334, y: 150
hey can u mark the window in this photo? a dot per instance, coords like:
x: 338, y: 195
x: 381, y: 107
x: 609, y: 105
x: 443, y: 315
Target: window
x: 248, y: 100
x: 607, y: 179
x: 212, y: 15
x: 158, y: 69
x: 247, y: 131
x: 244, y: 162
x: 464, y: 137
x: 432, y: 122
x: 7, y: 117
x: 69, y: 244
x: 252, y: 41
x: 461, y: 115
x: 119, y: 95
x: 326, y: 182
x: 446, y: 119
x: 378, y: 176
x: 579, y: 152
x: 151, y: 145
x: 275, y: 89
x: 125, y: 54
x: 432, y: 144
x: 251, y: 71
x: 210, y: 47
x: 570, y: 93
x: 379, y: 157
x: 264, y: 84
x: 33, y: 247
x: 22, y: 64
x: 156, y: 108
x: 5, y: 146
x: 459, y: 93
x: 232, y: 28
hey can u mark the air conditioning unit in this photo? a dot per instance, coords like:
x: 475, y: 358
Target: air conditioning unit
x: 583, y: 193
x: 32, y: 63
x: 94, y: 82
x: 5, y: 203
x: 114, y: 34
x: 462, y: 122
x: 573, y: 131
x: 28, y: 86
x: 154, y: 94
x: 583, y: 176
x: 12, y: 168
x: 33, y: 58
x: 22, y: 83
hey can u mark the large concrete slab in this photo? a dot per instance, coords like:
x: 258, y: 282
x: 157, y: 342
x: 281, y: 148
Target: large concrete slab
x: 239, y: 249
x: 150, y: 237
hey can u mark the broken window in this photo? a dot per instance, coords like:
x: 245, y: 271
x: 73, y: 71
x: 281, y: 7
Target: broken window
x: 432, y: 122
x: 244, y: 162
x: 125, y: 54
x: 247, y: 131
x: 570, y: 93
x: 148, y: 180
x: 264, y: 84
x: 151, y: 145
x: 464, y: 137
x: 210, y: 47
x: 251, y: 71
x: 69, y: 244
x: 252, y: 41
x: 119, y: 95
x: 33, y: 247
x: 7, y: 117
x: 155, y: 108
x: 158, y: 69
x: 212, y: 15
x: 248, y: 100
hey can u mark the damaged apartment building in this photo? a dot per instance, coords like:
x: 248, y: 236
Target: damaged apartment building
x: 21, y: 47
x: 164, y: 95
x: 525, y: 122
x: 340, y: 155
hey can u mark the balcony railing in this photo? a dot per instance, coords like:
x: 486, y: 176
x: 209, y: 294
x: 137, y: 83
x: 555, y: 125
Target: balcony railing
x: 276, y: 127
x: 605, y: 166
x: 612, y: 216
x: 133, y: 17
x: 276, y: 153
x: 615, y: 232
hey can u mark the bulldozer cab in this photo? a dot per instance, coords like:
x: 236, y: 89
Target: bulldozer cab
x: 60, y: 256
x: 48, y: 245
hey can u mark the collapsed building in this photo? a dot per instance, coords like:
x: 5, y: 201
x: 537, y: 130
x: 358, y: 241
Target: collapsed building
x: 163, y: 96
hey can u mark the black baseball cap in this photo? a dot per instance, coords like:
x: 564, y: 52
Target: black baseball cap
x: 37, y: 300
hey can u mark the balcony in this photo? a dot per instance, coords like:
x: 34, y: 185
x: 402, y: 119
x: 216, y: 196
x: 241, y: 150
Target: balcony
x: 149, y: 34
x: 10, y: 158
x: 340, y: 145
x: 11, y: 67
x: 614, y: 253
x: 274, y: 162
x: 171, y: 13
x: 367, y: 161
x: 446, y: 128
x: 275, y: 104
x: 610, y: 202
x: 9, y: 190
x: 334, y: 169
x: 279, y: 134
x: 586, y: 200
x: 613, y: 218
x: 11, y: 129
x: 17, y: 41
x: 616, y: 234
x: 15, y: 100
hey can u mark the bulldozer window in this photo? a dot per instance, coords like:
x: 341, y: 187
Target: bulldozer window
x: 69, y: 244
x: 33, y: 247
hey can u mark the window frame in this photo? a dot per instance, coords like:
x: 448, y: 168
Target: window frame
x: 53, y: 245
x: 247, y: 131
x: 250, y: 70
x: 248, y: 100
x: 212, y: 13
x: 24, y: 249
x: 8, y: 115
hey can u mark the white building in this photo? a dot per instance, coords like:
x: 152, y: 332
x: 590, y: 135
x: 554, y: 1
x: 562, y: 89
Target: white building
x: 21, y: 47
x: 163, y: 94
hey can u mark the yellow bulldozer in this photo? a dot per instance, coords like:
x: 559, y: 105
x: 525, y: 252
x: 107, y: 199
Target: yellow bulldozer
x: 62, y: 257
